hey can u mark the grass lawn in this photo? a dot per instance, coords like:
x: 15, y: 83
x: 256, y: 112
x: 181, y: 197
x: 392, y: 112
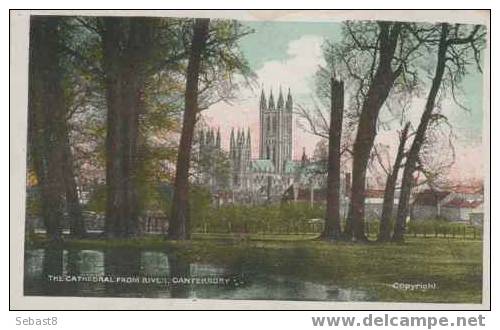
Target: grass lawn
x: 454, y: 265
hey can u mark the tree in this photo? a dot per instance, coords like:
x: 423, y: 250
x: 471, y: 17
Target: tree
x: 379, y: 88
x: 214, y: 58
x: 159, y: 65
x: 127, y: 45
x: 130, y: 86
x: 332, y: 229
x: 456, y: 47
x: 50, y: 152
x: 390, y: 188
x: 179, y: 225
x: 375, y: 59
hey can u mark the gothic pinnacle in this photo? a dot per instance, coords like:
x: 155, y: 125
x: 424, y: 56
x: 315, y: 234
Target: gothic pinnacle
x: 271, y: 100
x: 280, y: 100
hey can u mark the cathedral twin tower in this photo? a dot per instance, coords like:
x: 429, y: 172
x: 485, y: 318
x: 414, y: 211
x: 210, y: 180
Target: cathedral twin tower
x: 275, y: 147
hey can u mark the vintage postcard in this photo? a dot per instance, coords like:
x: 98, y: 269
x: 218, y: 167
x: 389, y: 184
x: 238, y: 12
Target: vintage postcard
x: 250, y: 160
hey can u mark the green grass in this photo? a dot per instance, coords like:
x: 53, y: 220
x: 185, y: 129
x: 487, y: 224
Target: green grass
x: 454, y: 265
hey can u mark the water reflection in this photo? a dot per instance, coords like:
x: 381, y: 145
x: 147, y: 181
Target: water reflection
x: 33, y: 265
x: 145, y: 273
x: 155, y: 263
x: 84, y: 262
x: 179, y: 268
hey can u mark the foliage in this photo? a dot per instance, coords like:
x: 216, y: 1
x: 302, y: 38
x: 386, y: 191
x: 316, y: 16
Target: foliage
x: 286, y: 218
x: 97, y: 199
x: 33, y: 202
x: 210, y: 163
x: 224, y: 67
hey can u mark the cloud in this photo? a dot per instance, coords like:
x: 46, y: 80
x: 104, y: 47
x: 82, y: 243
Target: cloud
x: 296, y: 72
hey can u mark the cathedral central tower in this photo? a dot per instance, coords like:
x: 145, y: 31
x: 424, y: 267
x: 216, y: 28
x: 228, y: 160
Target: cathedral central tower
x: 276, y: 129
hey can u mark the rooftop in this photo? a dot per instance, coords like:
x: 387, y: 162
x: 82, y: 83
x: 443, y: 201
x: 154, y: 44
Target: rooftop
x: 262, y: 165
x: 463, y: 203
x: 430, y: 197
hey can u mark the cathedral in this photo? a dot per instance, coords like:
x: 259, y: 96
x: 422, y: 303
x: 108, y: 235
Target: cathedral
x: 270, y: 176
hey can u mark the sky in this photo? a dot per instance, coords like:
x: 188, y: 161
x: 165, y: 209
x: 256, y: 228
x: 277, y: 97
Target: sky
x: 286, y: 55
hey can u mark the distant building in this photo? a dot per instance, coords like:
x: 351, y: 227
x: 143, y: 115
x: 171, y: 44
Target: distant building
x: 209, y: 158
x: 272, y: 173
x: 374, y: 201
x: 463, y: 210
x: 273, y: 176
x: 462, y: 204
x: 427, y: 204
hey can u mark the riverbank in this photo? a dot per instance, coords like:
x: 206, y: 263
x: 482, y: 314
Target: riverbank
x: 420, y: 270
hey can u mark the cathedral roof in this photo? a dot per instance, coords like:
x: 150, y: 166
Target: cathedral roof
x: 262, y: 165
x: 291, y: 166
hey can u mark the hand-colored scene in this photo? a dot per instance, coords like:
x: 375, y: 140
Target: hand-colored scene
x: 203, y: 158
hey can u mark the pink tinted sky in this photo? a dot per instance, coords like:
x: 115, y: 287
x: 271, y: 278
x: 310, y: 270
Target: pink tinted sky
x: 304, y: 56
x: 296, y: 71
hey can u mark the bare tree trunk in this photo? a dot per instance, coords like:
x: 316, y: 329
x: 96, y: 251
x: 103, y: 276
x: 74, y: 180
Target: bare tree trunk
x: 390, y: 187
x: 367, y: 128
x: 332, y: 229
x: 76, y: 225
x: 347, y: 234
x: 179, y: 227
x: 412, y: 157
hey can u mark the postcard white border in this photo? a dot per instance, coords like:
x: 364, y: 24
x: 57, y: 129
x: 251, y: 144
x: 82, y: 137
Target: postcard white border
x: 19, y: 34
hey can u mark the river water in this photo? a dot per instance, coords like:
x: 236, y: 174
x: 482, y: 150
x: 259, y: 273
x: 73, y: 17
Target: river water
x: 158, y: 273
